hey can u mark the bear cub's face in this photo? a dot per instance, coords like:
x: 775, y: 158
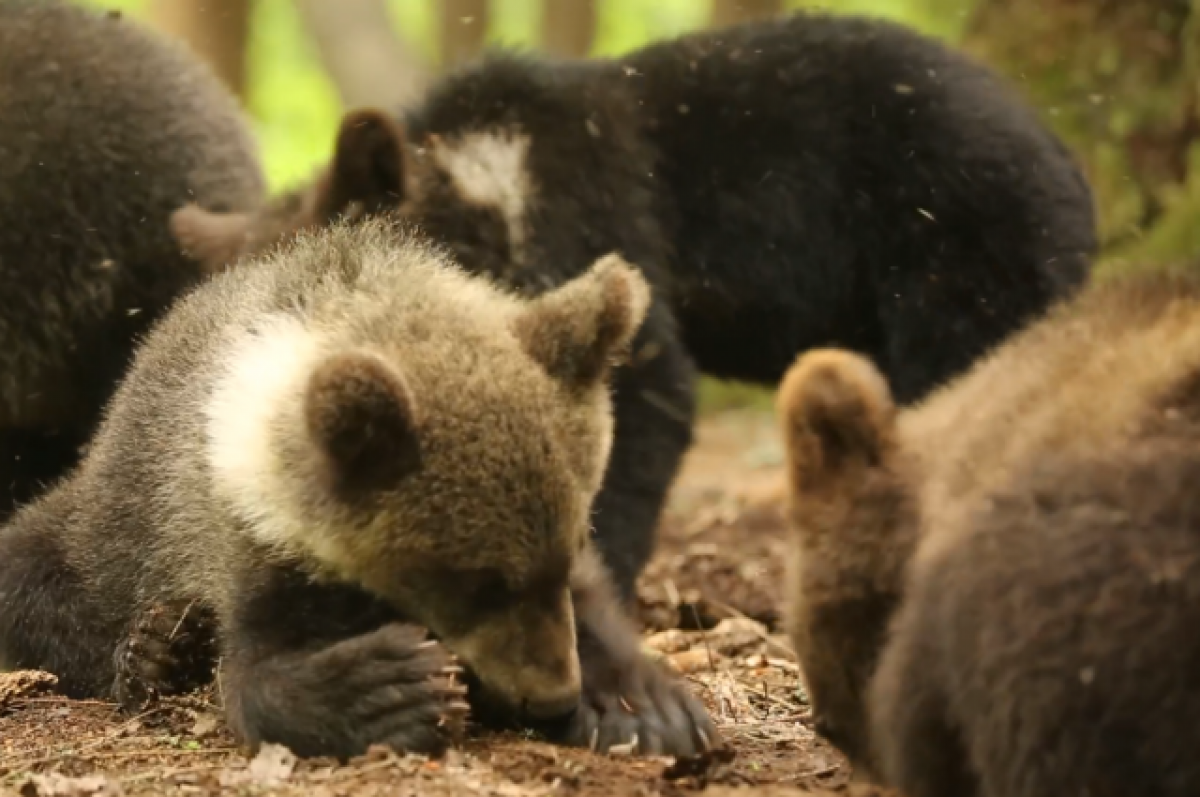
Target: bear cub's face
x: 470, y: 194
x: 453, y: 474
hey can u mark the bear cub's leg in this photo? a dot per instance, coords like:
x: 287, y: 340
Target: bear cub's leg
x: 627, y: 698
x: 327, y: 670
x: 171, y: 649
x: 49, y: 619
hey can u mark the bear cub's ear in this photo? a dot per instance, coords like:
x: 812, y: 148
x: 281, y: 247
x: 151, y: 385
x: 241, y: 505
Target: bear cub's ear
x: 362, y: 417
x: 837, y: 418
x: 577, y: 330
x: 214, y: 240
x: 368, y: 169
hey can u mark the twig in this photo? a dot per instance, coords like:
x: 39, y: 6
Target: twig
x: 712, y: 663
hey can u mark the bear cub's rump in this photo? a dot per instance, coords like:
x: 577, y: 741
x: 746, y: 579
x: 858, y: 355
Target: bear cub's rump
x: 350, y: 439
x: 108, y: 126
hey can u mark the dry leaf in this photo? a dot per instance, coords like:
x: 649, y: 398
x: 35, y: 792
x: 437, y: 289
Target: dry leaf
x: 206, y: 725
x: 672, y: 641
x: 272, y: 766
x: 55, y: 784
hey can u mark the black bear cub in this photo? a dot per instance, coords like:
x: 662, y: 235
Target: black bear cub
x: 325, y: 450
x: 996, y: 592
x: 107, y: 128
x: 817, y: 180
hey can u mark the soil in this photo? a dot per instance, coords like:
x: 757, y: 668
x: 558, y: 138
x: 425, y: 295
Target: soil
x: 710, y: 605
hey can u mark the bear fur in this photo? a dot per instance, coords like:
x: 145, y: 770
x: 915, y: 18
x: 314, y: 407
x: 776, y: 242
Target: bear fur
x: 324, y: 451
x: 995, y: 592
x: 814, y: 180
x: 108, y: 127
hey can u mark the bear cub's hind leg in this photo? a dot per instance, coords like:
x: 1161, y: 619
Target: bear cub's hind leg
x: 171, y: 649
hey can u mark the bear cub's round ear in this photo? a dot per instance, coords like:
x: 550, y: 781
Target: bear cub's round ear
x: 837, y: 417
x: 362, y: 417
x: 368, y: 169
x: 214, y: 240
x: 578, y: 329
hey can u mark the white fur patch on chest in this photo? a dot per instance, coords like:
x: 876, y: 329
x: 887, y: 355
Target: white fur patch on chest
x: 262, y: 386
x: 491, y: 169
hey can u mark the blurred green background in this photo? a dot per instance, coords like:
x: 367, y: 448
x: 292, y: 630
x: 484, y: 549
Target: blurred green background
x: 296, y: 107
x: 1118, y: 79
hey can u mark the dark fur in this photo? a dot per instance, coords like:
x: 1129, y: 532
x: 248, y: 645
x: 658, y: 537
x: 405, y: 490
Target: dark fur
x: 427, y: 453
x: 107, y: 128
x: 1034, y: 582
x: 772, y: 180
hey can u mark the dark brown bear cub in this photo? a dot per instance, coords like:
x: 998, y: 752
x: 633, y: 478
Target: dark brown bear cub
x: 322, y: 450
x: 996, y: 592
x: 107, y: 128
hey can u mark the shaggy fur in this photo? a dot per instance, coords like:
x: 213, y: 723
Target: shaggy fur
x: 107, y: 128
x: 816, y: 180
x: 995, y: 592
x: 346, y: 439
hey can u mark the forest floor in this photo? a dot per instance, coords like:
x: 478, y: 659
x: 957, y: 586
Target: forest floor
x: 710, y: 604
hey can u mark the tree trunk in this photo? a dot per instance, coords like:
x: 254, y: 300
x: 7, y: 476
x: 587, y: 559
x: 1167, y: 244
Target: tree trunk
x: 366, y: 60
x: 732, y: 12
x: 1120, y: 81
x: 216, y: 30
x: 463, y: 28
x: 568, y: 27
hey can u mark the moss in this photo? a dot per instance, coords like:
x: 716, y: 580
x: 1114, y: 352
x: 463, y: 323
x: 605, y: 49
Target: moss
x: 1119, y: 80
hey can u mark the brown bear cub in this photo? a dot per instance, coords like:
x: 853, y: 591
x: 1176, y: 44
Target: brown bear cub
x: 810, y: 181
x: 107, y: 128
x: 814, y: 180
x: 997, y: 592
x: 351, y: 438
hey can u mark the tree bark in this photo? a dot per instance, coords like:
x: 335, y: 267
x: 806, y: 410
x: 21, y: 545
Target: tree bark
x: 365, y: 58
x: 732, y: 12
x: 463, y: 29
x: 1120, y: 81
x: 216, y: 30
x: 568, y: 27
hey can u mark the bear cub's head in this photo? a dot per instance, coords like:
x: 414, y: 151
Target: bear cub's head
x: 438, y: 442
x: 474, y: 190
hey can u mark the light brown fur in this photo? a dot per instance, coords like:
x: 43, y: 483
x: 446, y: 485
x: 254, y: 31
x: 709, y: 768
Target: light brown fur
x: 348, y: 437
x: 1024, y: 540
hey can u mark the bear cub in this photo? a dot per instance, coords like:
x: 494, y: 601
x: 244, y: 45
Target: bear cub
x: 995, y: 592
x: 108, y: 127
x: 814, y: 180
x: 327, y: 452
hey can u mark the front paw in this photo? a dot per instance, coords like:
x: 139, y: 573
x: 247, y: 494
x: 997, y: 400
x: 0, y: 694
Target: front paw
x: 389, y: 687
x: 642, y: 708
x: 170, y: 649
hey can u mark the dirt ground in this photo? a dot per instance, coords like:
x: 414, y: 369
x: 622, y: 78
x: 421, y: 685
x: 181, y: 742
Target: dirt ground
x: 709, y: 602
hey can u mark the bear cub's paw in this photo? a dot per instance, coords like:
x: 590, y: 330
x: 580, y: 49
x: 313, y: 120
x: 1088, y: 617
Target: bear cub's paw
x: 636, y: 706
x: 170, y: 649
x: 391, y: 687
